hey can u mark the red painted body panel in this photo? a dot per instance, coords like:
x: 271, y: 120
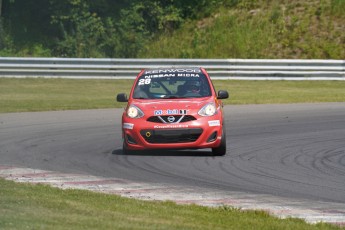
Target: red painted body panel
x: 201, y: 122
x: 132, y: 127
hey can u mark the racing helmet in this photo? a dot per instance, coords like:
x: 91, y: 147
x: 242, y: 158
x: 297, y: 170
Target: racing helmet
x: 193, y: 86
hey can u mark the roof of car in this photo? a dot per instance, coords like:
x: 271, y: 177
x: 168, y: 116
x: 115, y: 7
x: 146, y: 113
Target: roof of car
x: 171, y: 69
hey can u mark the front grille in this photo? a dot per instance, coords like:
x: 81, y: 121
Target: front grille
x: 171, y: 135
x: 188, y: 118
x: 177, y: 119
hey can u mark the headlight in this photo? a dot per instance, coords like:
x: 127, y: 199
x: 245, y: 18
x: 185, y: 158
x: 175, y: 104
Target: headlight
x: 134, y: 112
x: 208, y: 110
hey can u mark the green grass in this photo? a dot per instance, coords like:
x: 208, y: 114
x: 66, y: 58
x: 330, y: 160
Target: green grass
x: 28, y: 206
x: 276, y: 92
x: 310, y: 29
x: 20, y: 95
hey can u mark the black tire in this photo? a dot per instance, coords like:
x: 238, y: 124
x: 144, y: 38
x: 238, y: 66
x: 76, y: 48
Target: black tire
x: 221, y: 149
x: 125, y: 150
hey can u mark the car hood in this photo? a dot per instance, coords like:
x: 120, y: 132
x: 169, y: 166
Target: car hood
x: 169, y: 104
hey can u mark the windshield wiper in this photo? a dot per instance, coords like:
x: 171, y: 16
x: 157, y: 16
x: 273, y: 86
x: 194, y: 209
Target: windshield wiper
x: 172, y: 97
x: 141, y: 98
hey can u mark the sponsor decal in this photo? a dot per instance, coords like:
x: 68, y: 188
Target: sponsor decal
x: 169, y: 71
x: 170, y: 112
x: 150, y: 76
x: 188, y: 75
x: 128, y: 125
x: 169, y: 126
x: 183, y: 111
x: 158, y: 112
x: 214, y: 123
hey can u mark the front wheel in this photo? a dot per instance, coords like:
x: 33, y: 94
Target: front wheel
x: 125, y: 149
x: 221, y: 149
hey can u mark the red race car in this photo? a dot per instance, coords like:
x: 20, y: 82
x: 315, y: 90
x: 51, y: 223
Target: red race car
x: 173, y: 108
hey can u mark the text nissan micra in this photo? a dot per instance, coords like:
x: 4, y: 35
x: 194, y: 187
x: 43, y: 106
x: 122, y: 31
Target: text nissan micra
x: 173, y: 108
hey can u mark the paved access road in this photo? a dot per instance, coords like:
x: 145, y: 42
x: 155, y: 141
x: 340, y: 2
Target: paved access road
x: 291, y: 151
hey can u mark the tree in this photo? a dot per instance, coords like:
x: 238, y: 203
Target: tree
x: 81, y: 31
x: 88, y: 28
x: 0, y: 8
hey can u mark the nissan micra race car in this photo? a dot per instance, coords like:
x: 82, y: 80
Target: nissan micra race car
x: 173, y: 108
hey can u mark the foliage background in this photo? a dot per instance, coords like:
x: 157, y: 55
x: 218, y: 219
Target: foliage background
x: 173, y: 28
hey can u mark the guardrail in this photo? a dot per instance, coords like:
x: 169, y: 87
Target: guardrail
x: 243, y: 69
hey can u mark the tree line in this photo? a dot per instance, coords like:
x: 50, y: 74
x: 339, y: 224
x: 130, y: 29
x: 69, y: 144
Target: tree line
x: 86, y: 28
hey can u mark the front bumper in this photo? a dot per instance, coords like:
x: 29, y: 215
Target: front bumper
x: 204, y: 132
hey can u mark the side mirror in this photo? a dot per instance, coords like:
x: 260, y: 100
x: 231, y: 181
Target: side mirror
x: 223, y: 94
x: 122, y: 97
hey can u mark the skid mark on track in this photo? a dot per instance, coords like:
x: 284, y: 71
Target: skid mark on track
x: 310, y: 211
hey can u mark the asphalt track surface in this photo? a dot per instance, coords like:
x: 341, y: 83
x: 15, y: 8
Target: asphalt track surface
x: 291, y: 151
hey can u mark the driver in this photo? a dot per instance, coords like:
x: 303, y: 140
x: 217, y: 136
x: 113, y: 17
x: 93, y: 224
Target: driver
x: 192, y: 86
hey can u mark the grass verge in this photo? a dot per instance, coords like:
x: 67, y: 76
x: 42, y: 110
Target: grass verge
x: 22, y: 95
x: 312, y: 29
x: 28, y: 206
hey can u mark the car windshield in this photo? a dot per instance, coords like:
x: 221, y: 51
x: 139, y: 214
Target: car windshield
x: 172, y: 83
